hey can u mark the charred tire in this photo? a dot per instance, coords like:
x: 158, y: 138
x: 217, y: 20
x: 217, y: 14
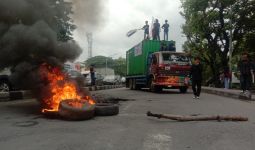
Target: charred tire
x: 72, y: 113
x: 106, y: 109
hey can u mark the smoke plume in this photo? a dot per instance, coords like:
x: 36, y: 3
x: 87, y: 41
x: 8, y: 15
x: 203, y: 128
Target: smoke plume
x: 89, y: 14
x: 32, y: 32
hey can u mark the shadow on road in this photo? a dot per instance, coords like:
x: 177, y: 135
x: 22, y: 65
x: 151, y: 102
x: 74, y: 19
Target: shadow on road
x: 166, y: 91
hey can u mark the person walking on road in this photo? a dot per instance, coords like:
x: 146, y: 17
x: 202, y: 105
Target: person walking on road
x: 245, y: 69
x: 227, y: 77
x: 196, y: 77
x: 92, y: 76
x: 146, y: 30
x: 166, y: 29
x: 156, y: 30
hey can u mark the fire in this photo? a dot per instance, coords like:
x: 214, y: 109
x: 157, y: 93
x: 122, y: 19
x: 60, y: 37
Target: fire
x: 60, y: 88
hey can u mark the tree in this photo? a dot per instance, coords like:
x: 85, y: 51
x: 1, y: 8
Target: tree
x: 208, y: 26
x: 100, y: 62
x: 119, y: 66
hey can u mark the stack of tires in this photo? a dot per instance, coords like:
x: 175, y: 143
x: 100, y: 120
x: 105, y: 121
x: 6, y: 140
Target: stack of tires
x: 87, y: 111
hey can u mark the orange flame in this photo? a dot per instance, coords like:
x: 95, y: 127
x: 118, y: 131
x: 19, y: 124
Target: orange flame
x: 60, y: 88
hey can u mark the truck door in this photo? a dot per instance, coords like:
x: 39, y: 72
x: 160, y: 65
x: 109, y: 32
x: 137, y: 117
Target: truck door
x: 154, y: 64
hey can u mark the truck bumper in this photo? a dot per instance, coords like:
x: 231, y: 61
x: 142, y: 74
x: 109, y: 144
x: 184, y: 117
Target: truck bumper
x: 172, y: 81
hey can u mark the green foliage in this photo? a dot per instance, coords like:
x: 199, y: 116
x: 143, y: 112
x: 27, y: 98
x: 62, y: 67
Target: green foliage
x: 63, y: 23
x: 119, y: 66
x: 99, y: 62
x: 208, y: 25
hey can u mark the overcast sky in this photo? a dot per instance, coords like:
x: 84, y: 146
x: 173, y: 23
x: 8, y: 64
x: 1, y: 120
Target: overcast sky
x: 120, y: 16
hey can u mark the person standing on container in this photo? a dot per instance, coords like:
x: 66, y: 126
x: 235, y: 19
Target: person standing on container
x: 245, y: 69
x: 156, y: 30
x: 166, y: 29
x: 146, y: 30
x: 196, y: 77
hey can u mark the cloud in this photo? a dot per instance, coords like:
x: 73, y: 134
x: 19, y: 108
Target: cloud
x: 124, y: 15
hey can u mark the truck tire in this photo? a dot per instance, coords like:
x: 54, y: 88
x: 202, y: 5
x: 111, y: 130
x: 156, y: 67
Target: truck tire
x: 158, y: 89
x: 106, y: 109
x: 130, y: 84
x: 183, y: 89
x: 151, y: 86
x: 135, y: 86
x: 154, y: 88
x: 68, y: 112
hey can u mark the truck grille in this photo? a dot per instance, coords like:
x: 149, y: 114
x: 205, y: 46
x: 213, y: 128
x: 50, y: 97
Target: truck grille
x: 175, y: 72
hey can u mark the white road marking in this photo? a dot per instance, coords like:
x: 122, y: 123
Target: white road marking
x: 126, y: 107
x: 157, y: 142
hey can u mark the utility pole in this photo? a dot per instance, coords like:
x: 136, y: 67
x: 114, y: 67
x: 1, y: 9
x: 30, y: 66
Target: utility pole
x: 106, y: 62
x: 90, y: 42
x: 230, y: 44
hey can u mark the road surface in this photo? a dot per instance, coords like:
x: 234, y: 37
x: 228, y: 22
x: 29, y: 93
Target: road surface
x: 24, y: 128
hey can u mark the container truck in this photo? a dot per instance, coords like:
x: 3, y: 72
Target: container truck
x: 156, y: 65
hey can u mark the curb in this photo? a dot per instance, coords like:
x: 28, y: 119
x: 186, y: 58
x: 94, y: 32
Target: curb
x: 19, y: 95
x: 229, y: 94
x: 105, y: 87
x: 15, y: 95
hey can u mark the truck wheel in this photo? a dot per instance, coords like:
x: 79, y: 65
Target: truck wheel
x: 130, y: 84
x: 158, y: 89
x: 183, y: 89
x: 151, y: 86
x: 134, y: 85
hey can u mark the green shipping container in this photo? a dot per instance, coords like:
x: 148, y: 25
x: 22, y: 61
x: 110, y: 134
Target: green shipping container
x: 137, y: 56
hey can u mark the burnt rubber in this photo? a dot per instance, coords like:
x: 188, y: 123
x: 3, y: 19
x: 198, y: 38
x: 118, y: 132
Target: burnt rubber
x: 106, y: 109
x: 66, y: 111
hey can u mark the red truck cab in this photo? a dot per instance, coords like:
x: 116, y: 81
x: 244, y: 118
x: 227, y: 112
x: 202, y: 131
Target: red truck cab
x: 169, y: 70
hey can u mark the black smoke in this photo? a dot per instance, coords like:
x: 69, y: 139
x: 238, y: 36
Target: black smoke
x: 89, y: 15
x: 33, y: 32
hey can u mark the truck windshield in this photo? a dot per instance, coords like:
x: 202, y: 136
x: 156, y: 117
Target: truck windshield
x: 169, y: 58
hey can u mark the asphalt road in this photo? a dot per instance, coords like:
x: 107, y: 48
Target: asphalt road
x: 22, y: 126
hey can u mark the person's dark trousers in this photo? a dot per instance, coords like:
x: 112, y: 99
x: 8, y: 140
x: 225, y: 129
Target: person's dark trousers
x: 245, y: 82
x: 166, y: 36
x: 196, y: 87
x: 154, y: 37
x: 93, y: 79
x: 146, y: 36
x: 158, y: 37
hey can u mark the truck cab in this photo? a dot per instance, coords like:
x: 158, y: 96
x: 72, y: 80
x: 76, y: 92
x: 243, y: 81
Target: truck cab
x: 169, y: 70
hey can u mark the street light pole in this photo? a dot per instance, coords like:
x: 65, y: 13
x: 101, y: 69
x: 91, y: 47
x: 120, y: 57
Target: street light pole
x: 105, y: 66
x: 106, y: 62
x: 230, y: 45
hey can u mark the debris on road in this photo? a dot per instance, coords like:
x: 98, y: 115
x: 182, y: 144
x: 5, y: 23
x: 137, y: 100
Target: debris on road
x: 198, y: 118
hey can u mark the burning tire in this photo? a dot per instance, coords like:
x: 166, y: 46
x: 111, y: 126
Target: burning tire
x: 76, y: 110
x: 106, y: 109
